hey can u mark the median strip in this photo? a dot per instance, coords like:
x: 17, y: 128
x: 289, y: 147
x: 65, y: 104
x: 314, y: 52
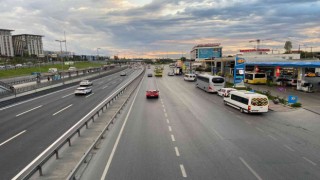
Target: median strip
x: 29, y: 110
x: 62, y: 110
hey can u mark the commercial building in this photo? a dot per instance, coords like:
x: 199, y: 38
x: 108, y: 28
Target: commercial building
x: 6, y: 46
x: 202, y: 52
x: 27, y: 44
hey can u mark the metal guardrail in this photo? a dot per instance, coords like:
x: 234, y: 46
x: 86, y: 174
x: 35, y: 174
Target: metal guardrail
x: 53, y: 149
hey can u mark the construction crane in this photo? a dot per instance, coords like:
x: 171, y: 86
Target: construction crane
x: 258, y: 42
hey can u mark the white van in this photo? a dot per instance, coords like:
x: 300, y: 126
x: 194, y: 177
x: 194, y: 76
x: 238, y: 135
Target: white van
x: 247, y: 101
x: 189, y: 77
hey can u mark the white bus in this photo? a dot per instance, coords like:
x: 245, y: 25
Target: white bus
x: 210, y: 83
x: 247, y: 101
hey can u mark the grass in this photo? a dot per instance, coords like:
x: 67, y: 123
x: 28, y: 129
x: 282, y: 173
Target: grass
x: 27, y: 71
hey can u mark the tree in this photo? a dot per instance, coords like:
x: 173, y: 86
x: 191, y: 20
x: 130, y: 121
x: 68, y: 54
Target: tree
x: 183, y: 58
x: 288, y: 46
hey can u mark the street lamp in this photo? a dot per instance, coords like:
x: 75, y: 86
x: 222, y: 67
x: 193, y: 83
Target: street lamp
x: 98, y: 53
x: 61, y: 41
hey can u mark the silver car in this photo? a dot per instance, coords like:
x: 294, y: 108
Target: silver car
x: 82, y: 91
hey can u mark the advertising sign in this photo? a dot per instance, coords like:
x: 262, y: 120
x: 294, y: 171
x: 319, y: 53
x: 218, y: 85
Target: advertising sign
x: 239, y: 71
x: 207, y: 53
x: 292, y: 99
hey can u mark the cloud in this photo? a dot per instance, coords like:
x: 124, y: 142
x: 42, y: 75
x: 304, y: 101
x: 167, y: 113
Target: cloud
x: 162, y: 26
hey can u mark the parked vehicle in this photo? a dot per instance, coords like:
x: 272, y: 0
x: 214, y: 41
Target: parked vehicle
x: 53, y: 70
x: 72, y: 69
x: 247, y: 101
x: 210, y: 83
x: 255, y: 78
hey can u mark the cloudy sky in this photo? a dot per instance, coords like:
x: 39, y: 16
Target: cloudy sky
x: 164, y: 28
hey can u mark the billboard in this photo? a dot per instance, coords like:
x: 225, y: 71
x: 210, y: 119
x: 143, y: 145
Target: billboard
x: 207, y: 53
x: 239, y: 71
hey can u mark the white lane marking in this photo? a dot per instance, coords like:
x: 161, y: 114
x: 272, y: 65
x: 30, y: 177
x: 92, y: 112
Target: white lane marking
x: 61, y: 110
x: 231, y: 112
x: 168, y: 121
x: 272, y: 137
x: 105, y: 171
x: 311, y: 162
x: 218, y: 134
x: 28, y: 110
x: 89, y: 95
x: 165, y: 114
x: 162, y: 105
x: 172, y: 138
x: 248, y: 122
x: 170, y: 129
x: 34, y: 99
x: 259, y: 129
x: 13, y: 137
x: 288, y: 147
x: 177, y: 151
x: 66, y: 95
x: 164, y: 110
x: 251, y: 170
x: 183, y: 171
x: 105, y: 87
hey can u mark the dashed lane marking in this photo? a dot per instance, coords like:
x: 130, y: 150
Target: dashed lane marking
x: 183, y: 171
x: 311, y: 162
x: 172, y: 138
x: 13, y: 137
x: 272, y: 137
x: 61, y: 110
x: 259, y: 129
x: 177, y: 151
x: 170, y: 129
x: 250, y: 169
x: 288, y: 147
x: 28, y: 110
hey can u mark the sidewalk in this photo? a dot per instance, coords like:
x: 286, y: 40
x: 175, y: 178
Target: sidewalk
x: 309, y: 101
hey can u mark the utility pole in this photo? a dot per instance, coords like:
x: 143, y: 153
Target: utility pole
x: 65, y: 43
x: 61, y: 41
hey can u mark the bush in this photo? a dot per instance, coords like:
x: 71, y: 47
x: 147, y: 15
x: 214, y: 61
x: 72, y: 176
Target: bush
x: 296, y: 105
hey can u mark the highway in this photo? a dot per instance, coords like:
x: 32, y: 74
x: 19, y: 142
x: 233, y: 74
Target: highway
x: 27, y: 128
x: 189, y: 134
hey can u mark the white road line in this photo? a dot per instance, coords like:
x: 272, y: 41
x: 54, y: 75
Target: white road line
x: 218, y: 134
x: 13, y: 137
x: 288, y: 147
x: 177, y: 151
x: 170, y: 129
x: 164, y: 110
x: 183, y: 171
x: 251, y: 170
x: 172, y: 138
x: 272, y: 137
x: 29, y: 110
x: 165, y: 114
x: 62, y: 110
x: 89, y: 95
x: 168, y: 121
x: 248, y: 122
x: 259, y: 129
x: 105, y: 171
x: 105, y: 87
x: 231, y: 112
x: 162, y: 105
x: 311, y: 162
x: 33, y: 99
x: 67, y: 95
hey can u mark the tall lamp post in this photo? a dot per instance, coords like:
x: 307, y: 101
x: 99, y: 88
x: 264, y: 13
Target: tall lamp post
x: 98, y: 53
x: 61, y: 41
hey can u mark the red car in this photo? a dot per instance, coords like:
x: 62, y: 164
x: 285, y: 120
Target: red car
x: 152, y: 94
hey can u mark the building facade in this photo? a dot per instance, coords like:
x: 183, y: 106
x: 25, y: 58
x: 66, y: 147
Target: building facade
x: 6, y: 46
x: 206, y: 51
x: 27, y: 44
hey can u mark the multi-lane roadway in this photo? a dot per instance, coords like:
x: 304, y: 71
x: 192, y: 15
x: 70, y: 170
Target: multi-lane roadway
x: 189, y: 134
x: 28, y: 128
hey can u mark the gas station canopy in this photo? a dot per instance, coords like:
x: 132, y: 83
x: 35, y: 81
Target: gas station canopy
x: 308, y: 64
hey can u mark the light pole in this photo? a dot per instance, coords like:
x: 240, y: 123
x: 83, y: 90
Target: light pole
x: 61, y: 41
x: 98, y: 53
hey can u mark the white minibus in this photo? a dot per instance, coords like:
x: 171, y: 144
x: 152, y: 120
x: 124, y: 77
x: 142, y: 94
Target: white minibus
x: 247, y: 101
x: 210, y: 83
x: 189, y: 77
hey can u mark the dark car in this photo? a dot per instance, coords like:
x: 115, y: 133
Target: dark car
x: 149, y: 74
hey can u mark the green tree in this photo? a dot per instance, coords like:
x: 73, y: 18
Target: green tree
x: 288, y: 46
x: 183, y: 58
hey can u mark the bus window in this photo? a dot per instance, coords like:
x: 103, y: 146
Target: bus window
x: 260, y: 75
x: 217, y: 80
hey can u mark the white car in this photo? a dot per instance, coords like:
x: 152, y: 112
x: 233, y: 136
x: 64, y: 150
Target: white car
x: 83, y: 91
x: 123, y: 73
x: 224, y: 92
x: 86, y: 83
x: 72, y: 69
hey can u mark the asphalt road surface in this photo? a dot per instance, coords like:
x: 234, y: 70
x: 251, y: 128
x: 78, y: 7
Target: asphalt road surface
x: 29, y: 127
x: 189, y: 134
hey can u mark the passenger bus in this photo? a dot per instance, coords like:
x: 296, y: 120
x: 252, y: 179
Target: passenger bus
x: 255, y: 78
x: 247, y: 101
x: 210, y: 83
